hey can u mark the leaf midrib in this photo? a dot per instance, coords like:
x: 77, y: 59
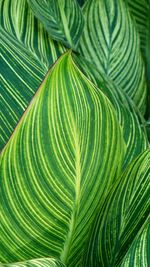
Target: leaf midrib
x: 69, y: 238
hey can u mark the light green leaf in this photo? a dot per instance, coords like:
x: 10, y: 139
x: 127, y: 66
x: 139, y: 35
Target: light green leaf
x: 63, y: 19
x: 26, y: 54
x: 122, y: 217
x: 132, y: 123
x: 110, y: 41
x: 42, y: 262
x: 139, y: 252
x: 58, y: 167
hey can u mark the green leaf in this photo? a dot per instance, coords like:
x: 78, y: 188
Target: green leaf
x: 110, y: 41
x: 18, y: 21
x: 58, y: 167
x: 140, y: 10
x: 139, y: 252
x: 132, y: 124
x: 42, y: 262
x: 125, y: 212
x: 62, y: 19
x: 27, y: 52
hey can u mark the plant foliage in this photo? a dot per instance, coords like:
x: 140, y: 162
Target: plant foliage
x: 74, y: 133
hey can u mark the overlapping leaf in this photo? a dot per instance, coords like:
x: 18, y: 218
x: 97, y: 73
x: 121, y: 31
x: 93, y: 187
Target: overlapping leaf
x: 140, y: 10
x: 27, y: 52
x: 139, y: 253
x: 63, y: 19
x: 110, y: 41
x: 123, y: 216
x: 57, y: 168
x: 18, y: 20
x: 132, y: 124
x: 43, y: 262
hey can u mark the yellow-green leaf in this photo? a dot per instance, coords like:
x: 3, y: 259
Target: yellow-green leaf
x: 42, y: 262
x: 57, y: 168
x: 130, y: 119
x: 122, y: 218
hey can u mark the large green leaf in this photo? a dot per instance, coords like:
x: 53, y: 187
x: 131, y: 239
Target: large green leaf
x: 63, y: 19
x: 42, y: 262
x: 27, y: 52
x: 132, y: 124
x: 139, y: 252
x: 125, y: 212
x: 58, y: 167
x: 110, y: 41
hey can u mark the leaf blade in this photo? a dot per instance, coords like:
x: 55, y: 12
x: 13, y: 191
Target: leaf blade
x: 131, y: 121
x: 123, y: 215
x: 111, y: 43
x: 45, y: 167
x: 27, y: 52
x: 43, y: 262
x: 62, y: 19
x: 138, y: 253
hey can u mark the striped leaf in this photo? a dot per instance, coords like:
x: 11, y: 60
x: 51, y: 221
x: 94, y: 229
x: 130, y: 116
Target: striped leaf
x: 140, y: 10
x: 132, y: 123
x: 43, y: 262
x: 58, y: 167
x: 18, y: 20
x: 139, y: 252
x: 27, y: 52
x: 110, y: 41
x: 122, y: 217
x: 62, y: 19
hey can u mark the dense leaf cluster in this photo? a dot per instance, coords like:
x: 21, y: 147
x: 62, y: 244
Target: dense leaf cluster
x: 74, y: 133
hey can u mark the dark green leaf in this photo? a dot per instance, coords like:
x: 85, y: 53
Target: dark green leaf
x: 139, y: 252
x: 63, y: 19
x: 27, y: 52
x: 140, y: 10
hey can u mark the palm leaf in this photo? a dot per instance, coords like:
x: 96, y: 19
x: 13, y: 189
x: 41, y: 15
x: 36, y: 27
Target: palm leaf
x: 138, y: 254
x: 110, y: 41
x: 132, y: 123
x: 43, y: 262
x: 122, y: 217
x: 57, y: 167
x: 27, y: 52
x: 63, y: 19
